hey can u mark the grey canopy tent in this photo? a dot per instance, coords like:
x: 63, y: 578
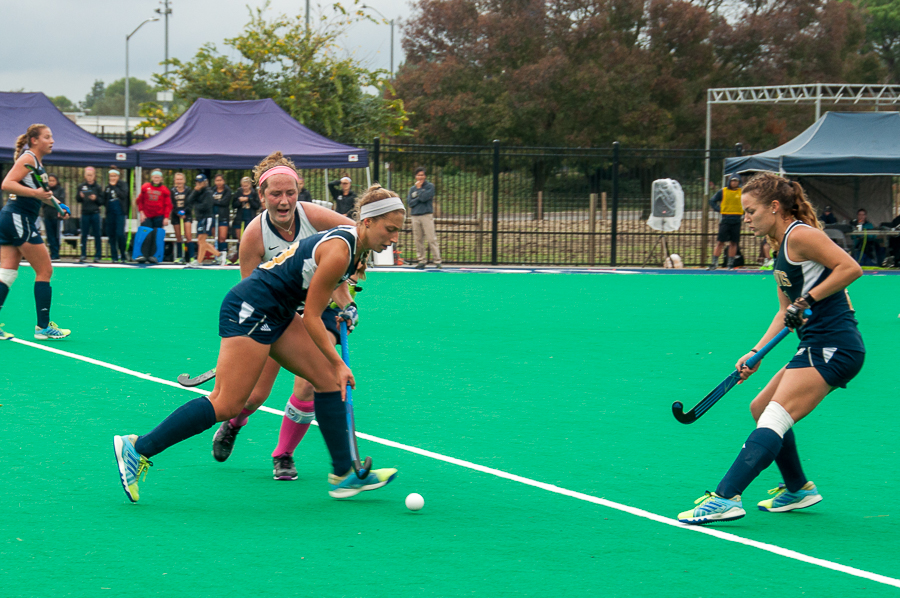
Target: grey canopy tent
x: 73, y: 145
x: 846, y: 160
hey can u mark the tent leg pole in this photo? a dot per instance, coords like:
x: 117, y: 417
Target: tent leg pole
x: 368, y: 176
x: 327, y: 192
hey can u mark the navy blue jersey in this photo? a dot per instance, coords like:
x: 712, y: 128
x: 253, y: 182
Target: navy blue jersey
x: 179, y: 200
x: 277, y: 288
x: 832, y: 323
x: 28, y: 205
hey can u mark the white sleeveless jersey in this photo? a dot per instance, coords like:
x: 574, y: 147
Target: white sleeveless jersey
x: 274, y: 243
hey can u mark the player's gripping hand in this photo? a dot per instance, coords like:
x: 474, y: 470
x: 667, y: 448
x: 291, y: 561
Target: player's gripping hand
x: 794, y: 316
x: 742, y: 367
x: 351, y: 315
x: 66, y: 211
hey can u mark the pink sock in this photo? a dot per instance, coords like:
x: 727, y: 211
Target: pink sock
x: 297, y: 417
x: 241, y: 420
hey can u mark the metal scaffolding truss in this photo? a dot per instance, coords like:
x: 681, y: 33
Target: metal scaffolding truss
x: 813, y: 93
x: 810, y: 93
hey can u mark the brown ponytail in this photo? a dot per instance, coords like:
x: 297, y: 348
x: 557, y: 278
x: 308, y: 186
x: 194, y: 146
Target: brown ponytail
x: 768, y: 187
x: 33, y: 132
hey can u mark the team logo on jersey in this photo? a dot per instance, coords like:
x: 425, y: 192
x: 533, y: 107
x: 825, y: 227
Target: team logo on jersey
x: 782, y: 279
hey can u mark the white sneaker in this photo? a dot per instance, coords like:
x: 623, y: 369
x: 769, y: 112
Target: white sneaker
x: 51, y: 333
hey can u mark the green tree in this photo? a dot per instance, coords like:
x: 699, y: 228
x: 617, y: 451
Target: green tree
x: 110, y: 101
x: 98, y: 89
x: 882, y: 18
x: 300, y: 69
x: 63, y: 103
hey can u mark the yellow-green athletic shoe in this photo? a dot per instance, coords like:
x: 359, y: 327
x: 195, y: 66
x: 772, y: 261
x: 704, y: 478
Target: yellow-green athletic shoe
x: 784, y: 501
x: 51, y: 333
x: 349, y: 485
x: 5, y: 336
x: 712, y: 507
x: 130, y: 465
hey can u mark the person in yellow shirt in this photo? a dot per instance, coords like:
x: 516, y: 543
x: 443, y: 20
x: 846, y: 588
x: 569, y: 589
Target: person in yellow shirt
x: 728, y: 203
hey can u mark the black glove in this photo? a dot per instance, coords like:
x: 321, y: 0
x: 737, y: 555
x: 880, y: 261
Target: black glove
x: 794, y: 316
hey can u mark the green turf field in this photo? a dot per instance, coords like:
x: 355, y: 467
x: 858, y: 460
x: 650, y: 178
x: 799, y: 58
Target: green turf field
x: 562, y: 379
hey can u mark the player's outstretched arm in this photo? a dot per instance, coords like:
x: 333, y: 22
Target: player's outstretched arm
x: 323, y: 218
x: 251, y: 250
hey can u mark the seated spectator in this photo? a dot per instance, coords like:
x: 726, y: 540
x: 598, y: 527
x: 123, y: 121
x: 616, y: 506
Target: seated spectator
x: 344, y: 197
x: 51, y: 216
x: 867, y: 249
x: 117, y: 200
x: 90, y: 196
x: 828, y: 217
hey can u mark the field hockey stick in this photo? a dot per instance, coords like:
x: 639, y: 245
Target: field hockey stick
x: 362, y: 469
x: 186, y: 380
x: 728, y: 383
x: 60, y: 207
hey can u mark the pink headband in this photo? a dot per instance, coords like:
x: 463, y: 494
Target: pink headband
x: 279, y: 170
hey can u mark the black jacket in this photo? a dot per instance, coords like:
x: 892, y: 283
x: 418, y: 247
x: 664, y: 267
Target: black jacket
x: 50, y: 212
x: 343, y: 204
x: 201, y: 203
x: 90, y: 196
x: 222, y: 202
x: 115, y: 197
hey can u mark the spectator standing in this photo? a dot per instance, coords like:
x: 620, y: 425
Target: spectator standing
x: 303, y: 193
x: 154, y: 206
x: 828, y: 217
x: 116, y: 199
x: 181, y: 218
x: 222, y: 200
x: 50, y: 216
x: 201, y: 202
x: 90, y: 196
x: 727, y: 202
x: 421, y: 207
x: 343, y: 196
x: 246, y: 205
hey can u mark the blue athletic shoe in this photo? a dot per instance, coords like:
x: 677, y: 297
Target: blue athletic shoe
x: 788, y: 501
x: 131, y: 465
x: 712, y: 507
x: 51, y: 333
x: 5, y: 336
x: 350, y: 485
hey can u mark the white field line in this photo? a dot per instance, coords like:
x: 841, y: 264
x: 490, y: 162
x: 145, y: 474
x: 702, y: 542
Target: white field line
x: 791, y: 554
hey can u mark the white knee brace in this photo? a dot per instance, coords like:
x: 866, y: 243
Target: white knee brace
x: 775, y: 418
x: 8, y: 276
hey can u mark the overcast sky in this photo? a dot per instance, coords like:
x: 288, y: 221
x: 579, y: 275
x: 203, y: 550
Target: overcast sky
x: 68, y: 44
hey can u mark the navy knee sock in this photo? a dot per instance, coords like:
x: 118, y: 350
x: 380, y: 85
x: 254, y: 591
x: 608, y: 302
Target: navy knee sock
x: 4, y: 291
x: 788, y: 462
x: 331, y: 414
x: 758, y: 452
x: 42, y: 296
x: 188, y: 420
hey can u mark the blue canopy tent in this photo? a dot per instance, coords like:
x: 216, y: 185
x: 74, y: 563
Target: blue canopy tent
x: 73, y: 145
x: 846, y: 160
x: 217, y: 134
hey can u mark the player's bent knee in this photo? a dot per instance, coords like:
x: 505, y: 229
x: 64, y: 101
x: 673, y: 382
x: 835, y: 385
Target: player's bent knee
x: 776, y: 418
x: 8, y: 276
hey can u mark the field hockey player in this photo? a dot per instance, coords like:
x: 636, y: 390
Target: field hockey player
x: 284, y: 221
x: 811, y: 272
x: 259, y: 318
x: 26, y: 182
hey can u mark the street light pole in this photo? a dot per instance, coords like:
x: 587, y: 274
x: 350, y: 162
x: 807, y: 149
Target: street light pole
x: 127, y: 96
x: 165, y: 11
x: 391, y: 22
